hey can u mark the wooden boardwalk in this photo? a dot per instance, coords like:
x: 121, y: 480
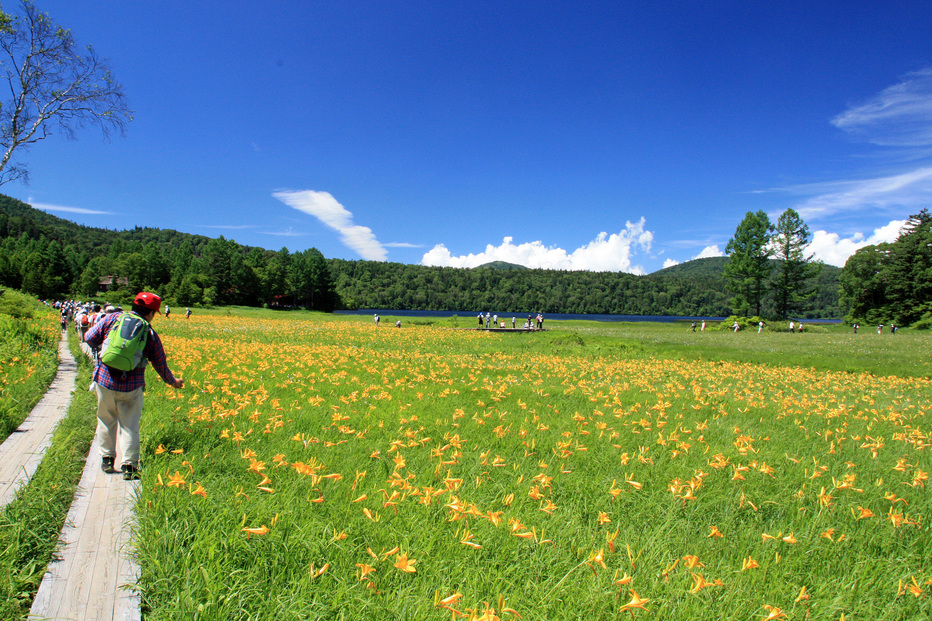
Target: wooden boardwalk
x: 93, y: 578
x: 89, y: 579
x: 22, y: 452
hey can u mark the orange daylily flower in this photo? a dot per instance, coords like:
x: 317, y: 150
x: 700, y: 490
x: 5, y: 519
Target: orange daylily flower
x: 715, y: 533
x: 636, y: 602
x: 774, y: 613
x: 699, y: 583
x: 626, y: 579
x: 749, y: 563
x: 598, y: 558
x: 261, y: 530
x: 364, y: 570
x: 199, y: 491
x: 405, y: 564
x: 176, y: 480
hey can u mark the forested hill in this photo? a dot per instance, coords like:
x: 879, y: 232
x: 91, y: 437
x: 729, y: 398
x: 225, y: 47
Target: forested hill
x: 374, y: 284
x: 53, y: 257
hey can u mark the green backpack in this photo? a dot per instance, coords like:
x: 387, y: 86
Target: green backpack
x: 122, y: 349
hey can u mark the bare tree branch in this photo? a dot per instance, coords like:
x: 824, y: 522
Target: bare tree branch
x: 53, y: 84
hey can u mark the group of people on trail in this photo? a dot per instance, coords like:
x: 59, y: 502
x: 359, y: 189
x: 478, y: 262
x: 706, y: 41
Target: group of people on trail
x: 488, y: 321
x: 119, y: 391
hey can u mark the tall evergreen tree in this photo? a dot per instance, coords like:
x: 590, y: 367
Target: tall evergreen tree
x: 863, y: 283
x: 793, y: 283
x: 909, y: 270
x: 748, y: 266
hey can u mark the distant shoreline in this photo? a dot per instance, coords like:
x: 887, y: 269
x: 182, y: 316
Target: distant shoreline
x: 506, y: 316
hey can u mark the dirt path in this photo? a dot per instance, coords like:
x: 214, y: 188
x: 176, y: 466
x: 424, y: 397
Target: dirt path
x: 92, y: 576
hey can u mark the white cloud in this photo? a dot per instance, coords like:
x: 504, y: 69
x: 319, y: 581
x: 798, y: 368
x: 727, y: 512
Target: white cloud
x: 81, y: 210
x: 325, y: 208
x: 710, y: 251
x: 833, y: 249
x: 670, y: 263
x: 402, y: 245
x: 901, y: 115
x: 606, y: 253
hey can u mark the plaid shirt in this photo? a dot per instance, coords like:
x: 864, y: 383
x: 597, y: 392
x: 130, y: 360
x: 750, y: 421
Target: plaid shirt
x: 129, y: 380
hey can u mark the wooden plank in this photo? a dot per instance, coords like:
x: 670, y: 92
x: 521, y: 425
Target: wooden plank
x: 95, y: 575
x: 90, y: 580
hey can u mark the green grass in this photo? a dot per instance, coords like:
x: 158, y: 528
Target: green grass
x: 30, y: 525
x: 824, y: 347
x: 622, y: 444
x: 28, y: 362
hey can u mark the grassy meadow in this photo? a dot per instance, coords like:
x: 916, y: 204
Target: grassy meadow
x: 28, y: 362
x: 319, y: 467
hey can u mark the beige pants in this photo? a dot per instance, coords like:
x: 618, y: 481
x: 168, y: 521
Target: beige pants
x: 118, y: 416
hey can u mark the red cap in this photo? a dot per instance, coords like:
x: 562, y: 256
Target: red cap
x: 148, y: 300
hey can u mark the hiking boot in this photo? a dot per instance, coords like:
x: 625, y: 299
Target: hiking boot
x: 130, y: 472
x: 106, y: 464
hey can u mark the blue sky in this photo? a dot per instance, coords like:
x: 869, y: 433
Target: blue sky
x: 617, y: 136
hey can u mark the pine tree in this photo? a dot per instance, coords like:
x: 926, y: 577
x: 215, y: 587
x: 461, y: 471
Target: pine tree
x: 748, y: 266
x: 793, y: 284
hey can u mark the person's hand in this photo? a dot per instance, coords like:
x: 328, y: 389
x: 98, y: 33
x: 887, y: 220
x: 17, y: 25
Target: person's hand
x: 179, y: 383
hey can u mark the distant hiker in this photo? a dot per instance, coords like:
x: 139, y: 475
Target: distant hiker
x: 892, y: 328
x: 187, y: 313
x: 760, y: 326
x: 702, y: 329
x: 540, y: 321
x: 880, y: 329
x: 480, y: 320
x: 694, y: 326
x: 495, y: 319
x: 792, y: 326
x: 735, y: 326
x: 119, y: 393
x: 398, y: 324
x: 512, y: 322
x: 800, y: 327
x: 855, y: 326
x: 167, y: 311
x: 375, y: 318
x: 488, y: 319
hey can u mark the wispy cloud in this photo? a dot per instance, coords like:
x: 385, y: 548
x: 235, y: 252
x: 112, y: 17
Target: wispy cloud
x: 402, y: 245
x: 324, y: 207
x: 909, y: 190
x: 286, y: 233
x: 899, y: 116
x: 62, y: 208
x: 608, y: 253
x: 227, y: 227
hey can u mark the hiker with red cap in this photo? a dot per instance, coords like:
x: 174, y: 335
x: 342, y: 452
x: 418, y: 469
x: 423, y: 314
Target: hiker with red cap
x: 119, y: 385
